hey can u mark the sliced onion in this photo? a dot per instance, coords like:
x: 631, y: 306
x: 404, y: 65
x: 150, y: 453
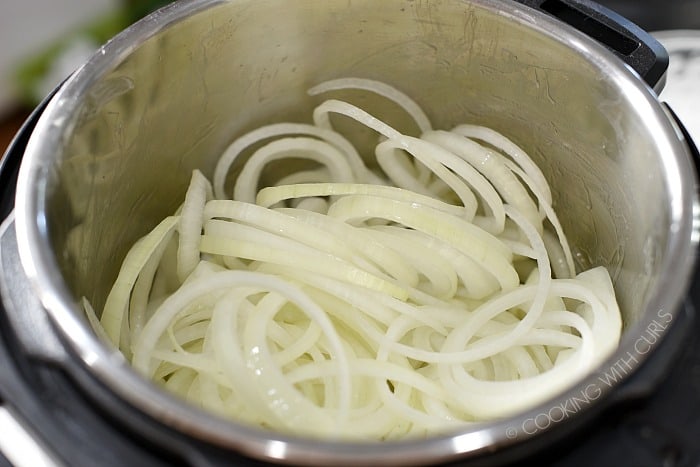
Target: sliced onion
x: 334, y: 306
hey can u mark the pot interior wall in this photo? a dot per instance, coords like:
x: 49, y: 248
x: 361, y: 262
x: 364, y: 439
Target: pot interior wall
x: 173, y: 103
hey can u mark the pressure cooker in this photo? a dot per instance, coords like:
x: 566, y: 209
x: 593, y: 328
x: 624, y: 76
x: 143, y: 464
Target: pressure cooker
x: 111, y: 151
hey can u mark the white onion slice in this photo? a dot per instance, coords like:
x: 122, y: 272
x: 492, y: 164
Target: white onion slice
x: 346, y: 304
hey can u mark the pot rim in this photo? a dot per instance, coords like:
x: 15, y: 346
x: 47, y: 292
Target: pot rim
x: 109, y: 366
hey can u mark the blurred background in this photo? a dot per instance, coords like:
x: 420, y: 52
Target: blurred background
x: 43, y: 41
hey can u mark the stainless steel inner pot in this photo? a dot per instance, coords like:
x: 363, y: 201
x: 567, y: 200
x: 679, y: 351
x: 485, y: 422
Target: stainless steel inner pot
x: 113, y: 153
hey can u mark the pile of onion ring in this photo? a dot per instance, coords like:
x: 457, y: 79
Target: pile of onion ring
x: 433, y: 290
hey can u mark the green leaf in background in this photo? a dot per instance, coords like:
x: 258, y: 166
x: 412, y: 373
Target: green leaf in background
x: 31, y: 73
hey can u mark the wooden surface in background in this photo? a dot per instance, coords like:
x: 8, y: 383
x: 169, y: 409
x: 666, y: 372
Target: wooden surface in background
x: 9, y: 127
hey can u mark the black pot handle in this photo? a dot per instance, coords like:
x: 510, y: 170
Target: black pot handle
x: 625, y: 39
